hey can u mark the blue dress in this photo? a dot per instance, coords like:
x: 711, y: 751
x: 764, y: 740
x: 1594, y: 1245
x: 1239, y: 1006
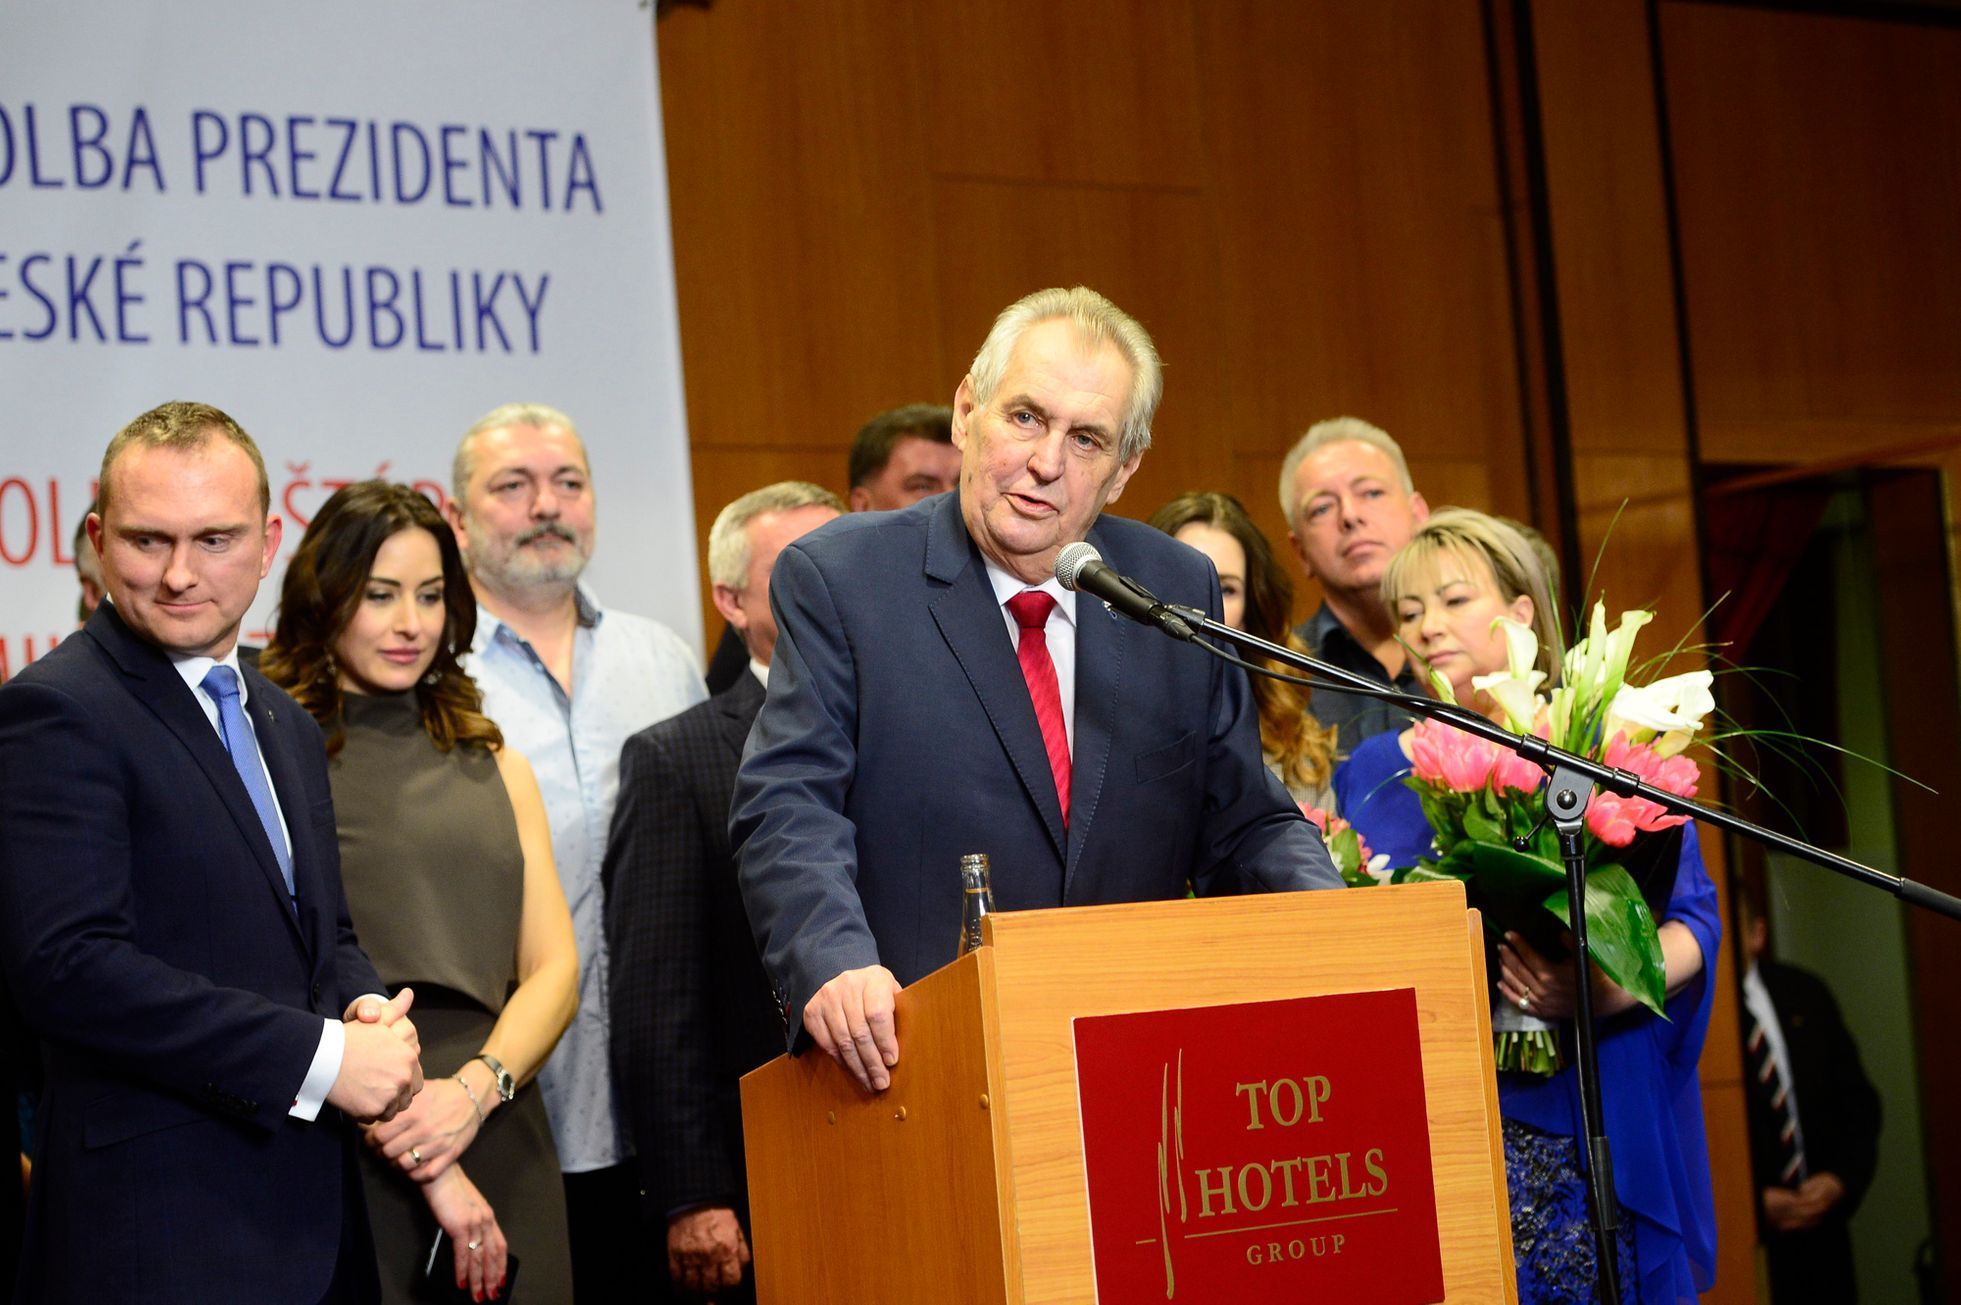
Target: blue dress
x: 1648, y: 1088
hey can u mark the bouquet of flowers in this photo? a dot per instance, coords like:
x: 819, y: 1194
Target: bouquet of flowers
x: 1359, y: 867
x: 1487, y: 808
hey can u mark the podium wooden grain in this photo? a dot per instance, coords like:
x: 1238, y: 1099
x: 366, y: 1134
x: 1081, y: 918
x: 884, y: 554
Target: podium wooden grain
x: 963, y: 1181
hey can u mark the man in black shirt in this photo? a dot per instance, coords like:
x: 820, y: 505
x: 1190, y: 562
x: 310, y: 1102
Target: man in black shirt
x: 1350, y: 505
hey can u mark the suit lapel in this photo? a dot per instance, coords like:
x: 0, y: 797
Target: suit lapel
x: 283, y: 765
x: 155, y: 683
x: 1102, y: 640
x: 971, y: 622
x: 736, y: 710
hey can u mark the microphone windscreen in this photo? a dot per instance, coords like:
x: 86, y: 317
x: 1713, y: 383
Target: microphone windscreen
x: 1069, y: 563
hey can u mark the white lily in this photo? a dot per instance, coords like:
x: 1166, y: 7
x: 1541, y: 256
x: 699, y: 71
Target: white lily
x: 1516, y: 688
x: 1676, y: 704
x: 1441, y: 683
x: 1672, y: 744
x: 1521, y: 646
x: 1620, y: 647
x: 1594, y: 668
x: 1519, y: 698
x: 1587, y: 659
x: 1559, y: 718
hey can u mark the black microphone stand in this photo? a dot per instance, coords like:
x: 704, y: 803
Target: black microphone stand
x: 1572, y: 780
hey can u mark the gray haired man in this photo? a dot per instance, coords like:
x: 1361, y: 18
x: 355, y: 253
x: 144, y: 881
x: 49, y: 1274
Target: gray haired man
x: 567, y: 681
x: 1350, y: 505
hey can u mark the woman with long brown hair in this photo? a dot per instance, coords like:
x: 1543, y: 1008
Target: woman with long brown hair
x: 446, y: 858
x: 1259, y: 599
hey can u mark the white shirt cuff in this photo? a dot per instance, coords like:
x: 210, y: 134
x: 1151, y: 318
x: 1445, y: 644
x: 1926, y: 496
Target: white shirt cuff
x: 320, y: 1075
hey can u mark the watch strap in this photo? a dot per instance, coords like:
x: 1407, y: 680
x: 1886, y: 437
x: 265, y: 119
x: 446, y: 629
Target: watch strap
x: 506, y: 1085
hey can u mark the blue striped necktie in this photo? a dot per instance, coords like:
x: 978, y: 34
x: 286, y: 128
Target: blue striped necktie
x: 221, y: 682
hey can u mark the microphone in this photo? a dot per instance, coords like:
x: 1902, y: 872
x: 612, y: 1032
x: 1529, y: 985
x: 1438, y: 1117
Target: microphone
x: 1081, y: 569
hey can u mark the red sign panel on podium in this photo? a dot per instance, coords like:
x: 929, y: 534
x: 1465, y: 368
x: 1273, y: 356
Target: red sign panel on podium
x: 1271, y: 1151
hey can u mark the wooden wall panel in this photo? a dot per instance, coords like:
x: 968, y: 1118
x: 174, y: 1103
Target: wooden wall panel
x: 1359, y: 234
x: 804, y: 263
x: 1629, y: 441
x: 1298, y: 201
x: 1098, y: 92
x: 1818, y: 175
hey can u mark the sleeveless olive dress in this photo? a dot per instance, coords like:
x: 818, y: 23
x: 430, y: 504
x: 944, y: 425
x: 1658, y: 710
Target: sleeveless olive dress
x: 435, y: 883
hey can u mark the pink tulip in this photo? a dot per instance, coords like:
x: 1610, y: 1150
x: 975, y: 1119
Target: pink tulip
x: 1615, y: 820
x: 1511, y: 773
x: 1675, y: 774
x: 1610, y: 820
x: 1450, y: 758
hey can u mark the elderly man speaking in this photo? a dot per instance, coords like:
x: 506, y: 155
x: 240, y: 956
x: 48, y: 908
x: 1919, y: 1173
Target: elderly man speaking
x: 936, y: 692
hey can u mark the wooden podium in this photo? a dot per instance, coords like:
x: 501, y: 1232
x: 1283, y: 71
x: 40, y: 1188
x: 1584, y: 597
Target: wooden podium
x: 965, y: 1180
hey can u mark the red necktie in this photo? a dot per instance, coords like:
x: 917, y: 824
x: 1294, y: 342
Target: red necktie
x: 1031, y: 612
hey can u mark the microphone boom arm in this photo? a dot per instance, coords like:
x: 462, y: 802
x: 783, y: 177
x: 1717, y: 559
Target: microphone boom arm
x: 1322, y: 675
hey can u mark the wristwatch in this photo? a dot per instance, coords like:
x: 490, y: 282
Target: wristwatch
x: 506, y: 1085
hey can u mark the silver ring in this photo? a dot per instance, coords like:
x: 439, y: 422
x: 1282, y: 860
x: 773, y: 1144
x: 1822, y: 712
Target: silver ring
x: 415, y: 1158
x: 476, y: 1244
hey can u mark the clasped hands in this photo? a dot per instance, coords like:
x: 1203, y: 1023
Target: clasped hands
x: 1793, y: 1209
x: 1544, y: 988
x: 381, y: 1061
x: 427, y: 1137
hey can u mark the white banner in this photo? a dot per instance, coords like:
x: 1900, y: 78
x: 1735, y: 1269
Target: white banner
x: 355, y: 228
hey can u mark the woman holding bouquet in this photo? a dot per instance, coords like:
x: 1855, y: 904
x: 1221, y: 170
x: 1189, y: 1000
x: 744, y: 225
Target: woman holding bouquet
x: 447, y: 861
x: 1258, y: 599
x: 1449, y: 587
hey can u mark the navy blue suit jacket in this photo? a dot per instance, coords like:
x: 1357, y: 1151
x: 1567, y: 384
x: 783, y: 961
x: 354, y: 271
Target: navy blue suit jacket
x: 898, y: 735
x: 149, y: 943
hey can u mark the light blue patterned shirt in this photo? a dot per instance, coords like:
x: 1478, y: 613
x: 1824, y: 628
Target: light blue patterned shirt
x: 627, y: 673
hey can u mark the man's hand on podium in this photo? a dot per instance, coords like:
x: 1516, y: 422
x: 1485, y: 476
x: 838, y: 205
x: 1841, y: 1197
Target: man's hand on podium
x: 851, y: 1019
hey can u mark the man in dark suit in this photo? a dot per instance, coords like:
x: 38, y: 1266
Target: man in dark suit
x: 692, y: 1009
x: 172, y: 922
x: 935, y: 692
x: 1814, y: 1123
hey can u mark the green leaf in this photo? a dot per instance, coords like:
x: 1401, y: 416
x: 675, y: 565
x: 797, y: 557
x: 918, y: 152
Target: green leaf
x: 1505, y: 872
x: 1480, y: 824
x: 1426, y: 874
x: 1620, y: 933
x: 1347, y: 847
x: 1442, y: 815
